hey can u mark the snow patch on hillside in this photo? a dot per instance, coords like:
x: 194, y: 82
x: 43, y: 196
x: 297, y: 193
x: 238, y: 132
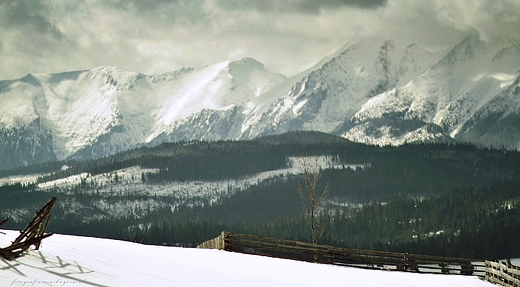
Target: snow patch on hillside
x: 113, y: 187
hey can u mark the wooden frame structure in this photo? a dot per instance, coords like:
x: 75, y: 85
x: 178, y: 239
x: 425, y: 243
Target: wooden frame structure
x: 33, y: 234
x: 501, y: 273
x: 369, y: 259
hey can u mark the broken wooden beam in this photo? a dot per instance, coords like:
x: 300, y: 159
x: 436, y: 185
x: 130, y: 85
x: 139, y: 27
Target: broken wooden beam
x: 33, y: 234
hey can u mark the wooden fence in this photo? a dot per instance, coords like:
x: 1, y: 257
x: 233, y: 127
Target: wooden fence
x: 371, y: 259
x: 504, y: 274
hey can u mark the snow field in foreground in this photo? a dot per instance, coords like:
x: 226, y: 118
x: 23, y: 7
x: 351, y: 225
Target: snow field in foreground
x: 83, y: 261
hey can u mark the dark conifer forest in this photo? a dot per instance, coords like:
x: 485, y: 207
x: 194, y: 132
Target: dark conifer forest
x: 439, y: 199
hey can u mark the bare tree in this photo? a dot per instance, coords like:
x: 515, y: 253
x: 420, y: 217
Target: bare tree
x: 312, y: 198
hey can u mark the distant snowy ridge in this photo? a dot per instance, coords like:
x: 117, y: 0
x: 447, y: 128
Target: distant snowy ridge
x: 372, y: 91
x: 375, y: 92
x: 473, y: 78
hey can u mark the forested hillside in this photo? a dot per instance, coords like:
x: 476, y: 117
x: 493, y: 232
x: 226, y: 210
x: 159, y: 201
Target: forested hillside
x: 443, y: 199
x: 471, y: 222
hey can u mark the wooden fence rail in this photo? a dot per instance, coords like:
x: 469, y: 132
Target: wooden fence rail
x: 304, y: 251
x: 33, y: 234
x: 504, y: 274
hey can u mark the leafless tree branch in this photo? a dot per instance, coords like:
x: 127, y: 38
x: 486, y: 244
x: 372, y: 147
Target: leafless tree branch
x: 312, y: 198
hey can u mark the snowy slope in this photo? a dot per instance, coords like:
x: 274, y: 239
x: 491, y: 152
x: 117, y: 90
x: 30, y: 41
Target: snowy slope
x: 81, y: 261
x: 221, y: 89
x: 472, y: 77
x: 327, y: 95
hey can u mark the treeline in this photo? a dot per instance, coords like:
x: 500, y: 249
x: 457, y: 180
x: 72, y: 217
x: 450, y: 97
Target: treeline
x: 472, y: 222
x: 218, y: 162
x: 199, y: 160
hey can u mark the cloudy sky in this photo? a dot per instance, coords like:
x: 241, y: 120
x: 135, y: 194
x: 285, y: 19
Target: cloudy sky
x: 157, y: 36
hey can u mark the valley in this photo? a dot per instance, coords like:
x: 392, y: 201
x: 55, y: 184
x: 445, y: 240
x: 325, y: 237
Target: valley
x: 361, y: 134
x: 386, y: 198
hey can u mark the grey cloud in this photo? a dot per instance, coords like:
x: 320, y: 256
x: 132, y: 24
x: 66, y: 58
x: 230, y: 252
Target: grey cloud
x: 316, y: 6
x: 299, y: 6
x: 28, y: 16
x: 143, y: 6
x: 164, y: 11
x: 163, y: 35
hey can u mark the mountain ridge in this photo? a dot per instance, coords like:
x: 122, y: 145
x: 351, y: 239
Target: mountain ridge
x: 372, y: 91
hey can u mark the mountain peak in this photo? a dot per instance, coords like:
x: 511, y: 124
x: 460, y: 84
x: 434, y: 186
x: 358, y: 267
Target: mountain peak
x: 248, y: 61
x: 30, y: 79
x: 106, y: 69
x: 112, y: 70
x: 246, y: 66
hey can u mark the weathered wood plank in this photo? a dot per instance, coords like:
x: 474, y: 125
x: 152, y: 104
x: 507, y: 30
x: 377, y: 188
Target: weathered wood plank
x: 423, y: 258
x: 33, y: 234
x: 3, y: 221
x: 215, y: 243
x: 502, y: 273
x: 371, y: 259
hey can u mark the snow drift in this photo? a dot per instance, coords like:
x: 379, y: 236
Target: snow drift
x: 82, y: 261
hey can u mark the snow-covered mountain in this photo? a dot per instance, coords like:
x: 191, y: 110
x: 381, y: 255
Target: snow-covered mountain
x: 471, y: 94
x: 93, y: 113
x: 378, y: 93
x: 327, y: 96
x: 373, y: 91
